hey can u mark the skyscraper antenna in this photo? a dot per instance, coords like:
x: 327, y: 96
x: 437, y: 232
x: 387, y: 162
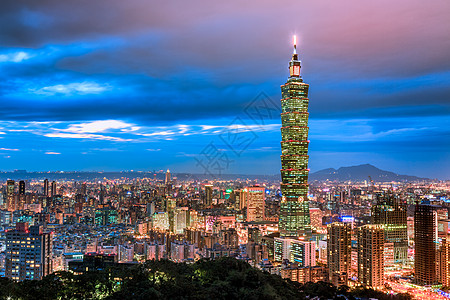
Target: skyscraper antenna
x: 295, y: 44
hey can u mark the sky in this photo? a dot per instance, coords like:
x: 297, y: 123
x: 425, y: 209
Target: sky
x: 194, y: 86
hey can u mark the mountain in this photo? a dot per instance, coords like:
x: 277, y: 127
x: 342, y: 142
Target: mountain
x: 95, y: 176
x: 355, y: 173
x: 360, y: 173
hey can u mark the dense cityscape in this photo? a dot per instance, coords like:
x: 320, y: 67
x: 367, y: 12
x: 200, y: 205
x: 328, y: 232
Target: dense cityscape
x: 388, y: 236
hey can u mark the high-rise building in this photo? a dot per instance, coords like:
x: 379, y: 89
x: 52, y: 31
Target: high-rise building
x: 180, y: 219
x: 20, y: 197
x: 53, y: 189
x: 208, y: 194
x: 46, y: 187
x: 339, y: 252
x: 444, y: 262
x: 167, y: 181
x: 294, y: 218
x: 426, y: 241
x: 316, y: 215
x: 10, y: 195
x: 242, y: 199
x: 101, y: 195
x: 21, y: 187
x: 83, y: 189
x: 160, y: 220
x: 371, y: 256
x: 391, y: 213
x: 256, y: 201
x: 28, y: 253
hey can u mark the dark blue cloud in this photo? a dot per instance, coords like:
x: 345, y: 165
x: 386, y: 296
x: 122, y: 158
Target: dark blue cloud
x: 380, y: 75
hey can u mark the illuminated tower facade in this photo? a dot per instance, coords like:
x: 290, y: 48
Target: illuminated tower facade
x: 294, y: 211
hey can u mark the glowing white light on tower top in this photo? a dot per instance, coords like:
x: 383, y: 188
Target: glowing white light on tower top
x: 295, y: 44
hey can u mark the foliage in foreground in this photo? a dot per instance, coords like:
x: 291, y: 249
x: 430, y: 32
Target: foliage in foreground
x: 225, y: 278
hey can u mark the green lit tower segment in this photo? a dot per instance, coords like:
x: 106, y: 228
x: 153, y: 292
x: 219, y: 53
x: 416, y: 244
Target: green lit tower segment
x: 294, y: 211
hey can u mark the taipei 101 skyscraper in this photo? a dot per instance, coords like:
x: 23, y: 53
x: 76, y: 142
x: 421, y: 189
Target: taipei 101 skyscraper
x: 294, y: 218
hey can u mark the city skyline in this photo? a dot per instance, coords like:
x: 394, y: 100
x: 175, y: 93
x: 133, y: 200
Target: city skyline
x: 134, y: 87
x: 229, y: 150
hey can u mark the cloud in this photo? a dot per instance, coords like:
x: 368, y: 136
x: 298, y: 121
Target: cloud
x: 371, y: 130
x: 81, y: 88
x: 162, y: 65
x: 8, y: 149
x: 52, y: 153
x: 106, y: 149
x: 86, y: 136
x: 99, y: 126
x: 15, y: 57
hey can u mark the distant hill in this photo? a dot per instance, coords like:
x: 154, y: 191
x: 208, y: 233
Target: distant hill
x: 95, y: 176
x: 355, y: 173
x: 360, y: 173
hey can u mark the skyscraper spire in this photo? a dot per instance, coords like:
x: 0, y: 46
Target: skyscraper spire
x: 295, y: 64
x: 295, y: 44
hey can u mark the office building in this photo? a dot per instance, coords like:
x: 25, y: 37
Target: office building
x: 45, y: 192
x: 208, y: 195
x: 53, y: 189
x: 339, y: 252
x: 256, y: 201
x: 391, y: 213
x: 21, y: 187
x: 242, y: 199
x: 168, y: 177
x: 10, y: 195
x: 294, y: 220
x: 316, y: 215
x: 426, y: 241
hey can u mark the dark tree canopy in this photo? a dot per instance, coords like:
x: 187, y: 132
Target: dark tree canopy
x: 224, y: 278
